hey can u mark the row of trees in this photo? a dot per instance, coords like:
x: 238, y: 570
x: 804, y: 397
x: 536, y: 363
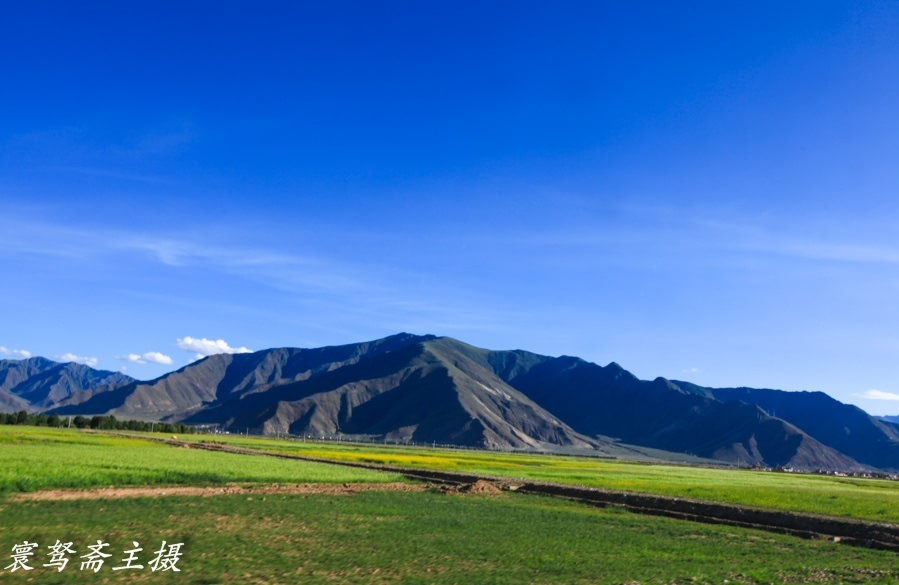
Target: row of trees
x: 95, y: 422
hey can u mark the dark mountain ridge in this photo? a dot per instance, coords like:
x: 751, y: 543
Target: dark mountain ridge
x: 403, y: 387
x: 426, y: 388
x: 610, y: 401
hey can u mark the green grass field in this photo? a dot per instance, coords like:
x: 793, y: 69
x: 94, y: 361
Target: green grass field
x: 417, y: 538
x: 380, y: 537
x: 33, y: 458
x: 836, y: 496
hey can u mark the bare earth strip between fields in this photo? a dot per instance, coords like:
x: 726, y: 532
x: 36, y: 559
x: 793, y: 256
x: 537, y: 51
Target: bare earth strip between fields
x: 330, y: 489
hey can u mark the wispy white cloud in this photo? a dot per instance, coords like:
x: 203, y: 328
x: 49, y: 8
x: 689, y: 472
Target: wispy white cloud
x: 294, y: 273
x: 71, y: 357
x: 112, y: 174
x: 153, y: 357
x: 84, y: 144
x: 16, y: 353
x: 179, y: 252
x: 834, y: 252
x: 163, y: 143
x: 874, y: 394
x: 205, y: 347
x: 288, y: 272
x: 862, y: 248
x: 689, y: 371
x: 387, y: 292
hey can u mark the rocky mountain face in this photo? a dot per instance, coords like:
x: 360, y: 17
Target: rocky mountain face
x: 437, y: 389
x: 404, y: 387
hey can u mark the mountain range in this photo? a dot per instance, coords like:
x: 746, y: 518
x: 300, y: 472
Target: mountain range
x: 39, y: 384
x: 427, y: 389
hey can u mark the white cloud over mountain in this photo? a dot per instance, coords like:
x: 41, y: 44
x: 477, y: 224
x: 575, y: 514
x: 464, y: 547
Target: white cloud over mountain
x: 151, y: 357
x: 71, y: 357
x: 205, y: 347
x: 878, y: 395
x: 16, y: 353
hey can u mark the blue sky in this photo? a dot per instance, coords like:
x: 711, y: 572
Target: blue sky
x: 705, y: 191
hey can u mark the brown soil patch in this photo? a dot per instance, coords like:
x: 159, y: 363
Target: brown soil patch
x: 483, y: 487
x: 331, y: 489
x: 478, y: 487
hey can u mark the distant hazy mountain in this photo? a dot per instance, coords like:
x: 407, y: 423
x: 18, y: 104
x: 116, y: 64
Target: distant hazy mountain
x: 426, y: 388
x: 890, y: 419
x: 37, y: 383
x: 843, y: 427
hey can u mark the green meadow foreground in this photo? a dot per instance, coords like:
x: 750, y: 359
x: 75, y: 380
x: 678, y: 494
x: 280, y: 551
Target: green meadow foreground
x: 368, y: 537
x: 425, y: 538
x: 34, y: 458
x: 868, y: 499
